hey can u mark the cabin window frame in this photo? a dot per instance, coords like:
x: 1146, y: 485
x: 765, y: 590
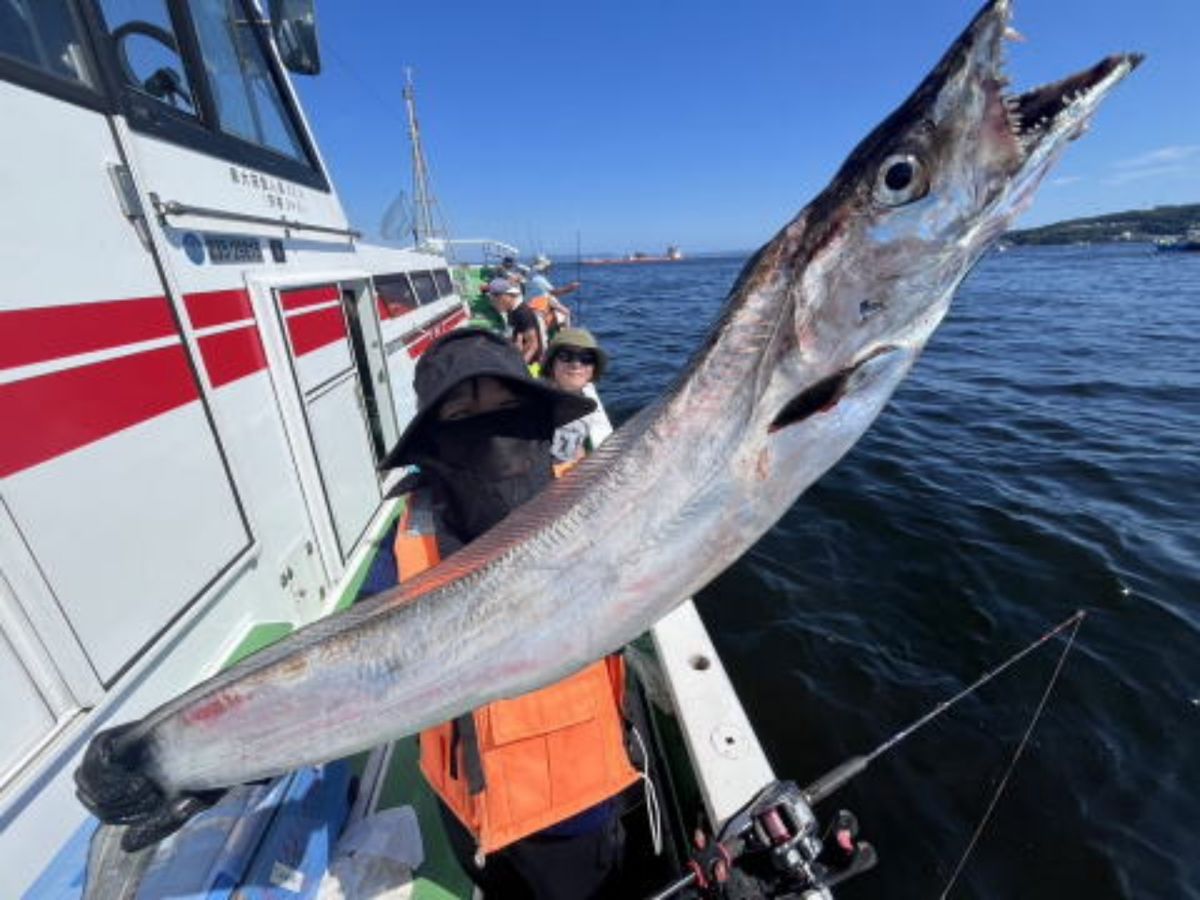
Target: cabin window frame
x: 447, y: 289
x: 434, y: 296
x: 202, y: 131
x: 382, y: 283
x: 94, y: 96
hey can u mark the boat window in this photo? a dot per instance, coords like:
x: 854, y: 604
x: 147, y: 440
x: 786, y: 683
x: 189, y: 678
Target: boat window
x: 248, y: 101
x: 426, y: 288
x: 396, y: 293
x: 147, y: 51
x: 44, y: 34
x: 444, y: 285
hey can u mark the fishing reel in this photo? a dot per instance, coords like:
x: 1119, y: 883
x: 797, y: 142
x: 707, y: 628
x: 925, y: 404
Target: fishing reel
x: 782, y: 842
x: 775, y: 847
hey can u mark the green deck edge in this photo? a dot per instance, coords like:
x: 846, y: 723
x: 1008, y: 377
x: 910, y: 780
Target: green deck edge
x: 264, y: 634
x: 350, y: 591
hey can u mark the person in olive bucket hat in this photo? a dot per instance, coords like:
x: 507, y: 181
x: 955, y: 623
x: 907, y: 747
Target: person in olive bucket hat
x: 574, y: 363
x: 481, y: 439
x: 576, y: 339
x: 482, y: 431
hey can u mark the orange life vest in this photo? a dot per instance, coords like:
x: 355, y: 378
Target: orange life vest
x: 545, y: 756
x: 547, y: 313
x: 562, y: 468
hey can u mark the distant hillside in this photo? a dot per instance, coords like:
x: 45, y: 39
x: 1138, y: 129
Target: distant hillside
x: 1135, y: 225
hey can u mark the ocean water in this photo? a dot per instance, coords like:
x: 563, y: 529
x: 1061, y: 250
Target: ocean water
x: 1043, y: 457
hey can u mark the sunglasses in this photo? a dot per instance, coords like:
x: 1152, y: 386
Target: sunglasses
x: 567, y: 355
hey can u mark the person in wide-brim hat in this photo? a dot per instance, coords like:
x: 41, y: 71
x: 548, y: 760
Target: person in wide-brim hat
x: 471, y: 353
x: 576, y: 339
x: 482, y: 439
x: 574, y: 363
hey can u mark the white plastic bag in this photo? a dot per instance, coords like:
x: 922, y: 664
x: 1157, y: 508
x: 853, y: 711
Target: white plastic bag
x: 375, y: 858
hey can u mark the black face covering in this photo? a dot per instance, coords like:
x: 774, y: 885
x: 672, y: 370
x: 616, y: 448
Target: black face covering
x: 486, y: 466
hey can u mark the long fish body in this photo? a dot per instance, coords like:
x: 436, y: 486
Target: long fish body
x: 820, y: 328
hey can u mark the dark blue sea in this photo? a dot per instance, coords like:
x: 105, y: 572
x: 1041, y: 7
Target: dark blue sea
x: 1043, y: 457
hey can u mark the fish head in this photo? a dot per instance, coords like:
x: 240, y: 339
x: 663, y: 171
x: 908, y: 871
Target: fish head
x: 870, y: 266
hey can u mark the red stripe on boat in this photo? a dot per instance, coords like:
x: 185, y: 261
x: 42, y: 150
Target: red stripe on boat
x: 454, y: 320
x: 231, y: 355
x: 218, y: 307
x: 53, y: 414
x: 314, y: 330
x: 50, y: 332
x: 298, y: 299
x: 420, y: 344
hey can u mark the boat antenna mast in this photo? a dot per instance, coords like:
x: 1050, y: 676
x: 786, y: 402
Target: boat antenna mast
x: 428, y: 224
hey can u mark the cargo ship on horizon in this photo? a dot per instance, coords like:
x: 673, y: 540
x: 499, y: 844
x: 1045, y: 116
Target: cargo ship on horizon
x: 673, y: 254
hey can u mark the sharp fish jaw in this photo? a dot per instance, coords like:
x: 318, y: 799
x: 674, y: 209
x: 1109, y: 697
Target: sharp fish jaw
x: 1019, y: 136
x: 915, y: 206
x: 1044, y: 120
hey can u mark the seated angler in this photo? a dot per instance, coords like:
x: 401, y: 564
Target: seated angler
x: 524, y: 327
x: 545, y: 299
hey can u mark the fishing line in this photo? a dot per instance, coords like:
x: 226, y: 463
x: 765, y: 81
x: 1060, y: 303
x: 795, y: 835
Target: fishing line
x: 835, y: 778
x: 653, y: 806
x: 887, y: 745
x: 1037, y: 714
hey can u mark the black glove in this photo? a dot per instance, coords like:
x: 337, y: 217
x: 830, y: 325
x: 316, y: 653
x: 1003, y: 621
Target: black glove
x: 111, y: 783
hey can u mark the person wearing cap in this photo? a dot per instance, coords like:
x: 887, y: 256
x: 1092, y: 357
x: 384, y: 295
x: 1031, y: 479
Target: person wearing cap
x: 524, y: 326
x: 512, y: 270
x: 544, y: 298
x: 574, y: 363
x: 527, y: 784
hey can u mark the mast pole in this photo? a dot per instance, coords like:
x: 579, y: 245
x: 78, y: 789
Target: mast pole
x: 423, y: 228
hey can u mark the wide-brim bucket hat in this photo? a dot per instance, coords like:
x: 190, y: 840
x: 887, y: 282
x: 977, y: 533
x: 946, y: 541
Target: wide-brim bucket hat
x: 471, y: 353
x: 578, y: 339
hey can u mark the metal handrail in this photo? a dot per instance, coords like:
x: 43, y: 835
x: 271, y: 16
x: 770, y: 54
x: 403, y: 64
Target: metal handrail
x: 165, y: 208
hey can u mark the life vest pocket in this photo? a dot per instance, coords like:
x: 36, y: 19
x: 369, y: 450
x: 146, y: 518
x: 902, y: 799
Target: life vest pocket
x: 571, y: 701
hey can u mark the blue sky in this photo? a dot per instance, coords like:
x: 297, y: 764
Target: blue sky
x: 708, y: 124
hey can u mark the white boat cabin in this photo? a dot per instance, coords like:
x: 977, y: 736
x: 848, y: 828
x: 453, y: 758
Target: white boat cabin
x: 200, y: 364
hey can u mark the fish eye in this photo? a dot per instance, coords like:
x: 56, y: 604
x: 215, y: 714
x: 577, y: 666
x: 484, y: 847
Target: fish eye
x: 901, y: 179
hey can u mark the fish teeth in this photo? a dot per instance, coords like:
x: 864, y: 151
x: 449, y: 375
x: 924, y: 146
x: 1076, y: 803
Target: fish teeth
x: 1012, y: 112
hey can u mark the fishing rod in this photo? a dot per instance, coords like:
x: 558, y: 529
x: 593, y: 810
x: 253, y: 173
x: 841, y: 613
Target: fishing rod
x: 578, y: 281
x: 780, y: 819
